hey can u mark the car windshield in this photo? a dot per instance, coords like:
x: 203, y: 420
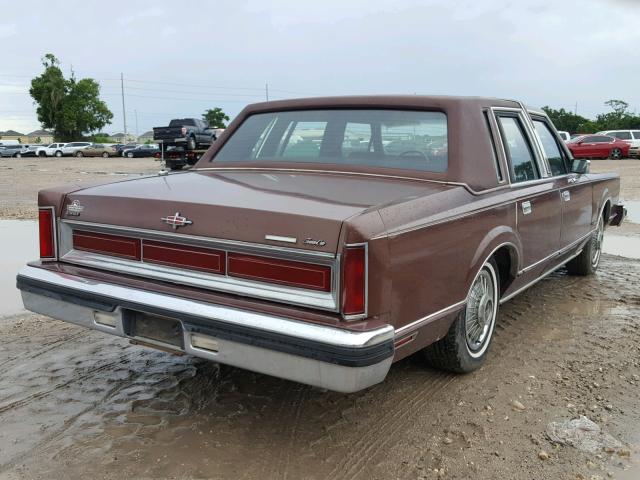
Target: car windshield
x: 415, y: 140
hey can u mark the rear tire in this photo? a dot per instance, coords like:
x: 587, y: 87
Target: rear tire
x: 18, y: 155
x: 587, y: 262
x: 615, y: 154
x: 464, y: 348
x: 129, y: 155
x: 42, y: 154
x: 58, y: 154
x: 105, y: 155
x: 79, y: 154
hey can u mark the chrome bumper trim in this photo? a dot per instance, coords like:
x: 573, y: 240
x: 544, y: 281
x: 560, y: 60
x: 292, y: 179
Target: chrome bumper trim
x: 324, y: 356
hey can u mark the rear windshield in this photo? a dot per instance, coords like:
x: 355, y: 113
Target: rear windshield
x: 182, y: 121
x: 375, y: 138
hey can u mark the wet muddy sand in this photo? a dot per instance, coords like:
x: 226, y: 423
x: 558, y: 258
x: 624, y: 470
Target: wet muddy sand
x: 80, y: 404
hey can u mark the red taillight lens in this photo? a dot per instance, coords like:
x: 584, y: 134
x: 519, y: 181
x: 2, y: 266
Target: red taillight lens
x: 107, y: 244
x: 183, y: 256
x: 354, y: 276
x: 286, y: 272
x: 47, y: 232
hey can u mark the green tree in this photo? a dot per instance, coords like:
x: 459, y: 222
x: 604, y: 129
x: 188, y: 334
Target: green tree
x: 570, y: 122
x: 619, y: 107
x: 619, y: 118
x: 215, y: 117
x: 69, y: 107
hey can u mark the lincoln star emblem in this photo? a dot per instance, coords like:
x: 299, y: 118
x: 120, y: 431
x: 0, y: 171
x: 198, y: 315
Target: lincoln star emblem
x: 74, y: 208
x: 176, y: 220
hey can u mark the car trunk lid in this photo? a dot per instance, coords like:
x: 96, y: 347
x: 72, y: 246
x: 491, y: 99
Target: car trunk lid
x: 247, y: 206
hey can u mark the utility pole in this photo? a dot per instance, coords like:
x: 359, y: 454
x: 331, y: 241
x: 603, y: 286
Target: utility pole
x: 124, y: 111
x: 575, y: 112
x: 136, y: 114
x: 266, y: 91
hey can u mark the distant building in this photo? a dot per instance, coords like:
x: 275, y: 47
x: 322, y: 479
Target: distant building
x: 121, y: 138
x: 146, y: 137
x: 44, y: 136
x: 13, y: 135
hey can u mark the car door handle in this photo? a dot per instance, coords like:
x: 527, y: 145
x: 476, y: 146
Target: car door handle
x: 566, y: 195
x: 526, y: 207
x: 572, y: 179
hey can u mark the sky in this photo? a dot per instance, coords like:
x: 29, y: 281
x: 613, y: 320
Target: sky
x: 179, y: 58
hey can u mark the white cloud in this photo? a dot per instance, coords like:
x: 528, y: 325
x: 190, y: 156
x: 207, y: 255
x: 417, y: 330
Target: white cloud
x: 543, y: 52
x: 148, y: 13
x: 168, y: 31
x: 8, y: 29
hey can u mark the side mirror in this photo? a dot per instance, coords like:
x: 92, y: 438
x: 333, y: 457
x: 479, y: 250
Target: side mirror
x: 580, y: 166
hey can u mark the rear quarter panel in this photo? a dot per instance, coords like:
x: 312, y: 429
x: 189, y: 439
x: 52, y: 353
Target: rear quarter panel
x: 437, y: 247
x: 606, y: 189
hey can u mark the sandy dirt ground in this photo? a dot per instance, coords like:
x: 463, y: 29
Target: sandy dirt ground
x: 21, y: 178
x: 79, y: 404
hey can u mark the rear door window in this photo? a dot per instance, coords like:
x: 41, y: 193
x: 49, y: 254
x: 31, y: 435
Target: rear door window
x: 519, y: 152
x: 552, y: 150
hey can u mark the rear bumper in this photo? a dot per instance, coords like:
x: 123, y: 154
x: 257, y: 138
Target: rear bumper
x: 327, y: 357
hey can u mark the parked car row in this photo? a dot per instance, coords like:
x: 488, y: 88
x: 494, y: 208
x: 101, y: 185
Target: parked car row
x: 614, y: 144
x: 632, y: 137
x: 78, y: 149
x: 598, y: 146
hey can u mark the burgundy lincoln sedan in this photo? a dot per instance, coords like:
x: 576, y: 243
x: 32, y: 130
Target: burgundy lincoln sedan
x: 598, y: 146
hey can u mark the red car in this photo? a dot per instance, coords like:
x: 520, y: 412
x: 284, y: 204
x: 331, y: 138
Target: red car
x: 598, y: 146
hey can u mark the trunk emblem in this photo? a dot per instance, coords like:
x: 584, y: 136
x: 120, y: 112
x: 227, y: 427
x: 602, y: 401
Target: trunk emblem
x: 74, y: 208
x: 315, y: 243
x: 176, y: 220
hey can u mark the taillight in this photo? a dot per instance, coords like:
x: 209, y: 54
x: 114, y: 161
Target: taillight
x: 115, y: 245
x: 46, y: 224
x: 183, y: 256
x: 286, y: 272
x: 184, y: 130
x: 354, y: 280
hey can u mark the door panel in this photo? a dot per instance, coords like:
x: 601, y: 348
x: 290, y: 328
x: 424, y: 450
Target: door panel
x: 577, y: 207
x: 539, y: 224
